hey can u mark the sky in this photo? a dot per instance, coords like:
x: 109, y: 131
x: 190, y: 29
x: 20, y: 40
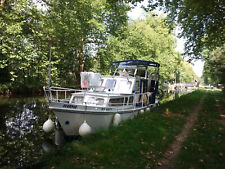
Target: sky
x: 137, y: 12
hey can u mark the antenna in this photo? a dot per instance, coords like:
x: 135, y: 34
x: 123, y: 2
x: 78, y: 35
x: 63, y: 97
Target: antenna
x: 50, y: 42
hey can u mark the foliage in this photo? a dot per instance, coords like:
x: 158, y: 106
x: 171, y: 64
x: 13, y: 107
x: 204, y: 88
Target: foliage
x: 86, y: 34
x: 149, y: 39
x: 187, y: 73
x: 79, y: 28
x: 22, y: 63
x: 202, y: 22
x: 214, y: 68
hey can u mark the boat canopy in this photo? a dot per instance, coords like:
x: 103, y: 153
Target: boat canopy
x: 136, y: 63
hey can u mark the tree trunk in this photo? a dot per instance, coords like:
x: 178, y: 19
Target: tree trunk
x: 81, y: 58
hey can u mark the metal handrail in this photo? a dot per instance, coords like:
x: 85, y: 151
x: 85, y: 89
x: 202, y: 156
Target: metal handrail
x: 143, y: 98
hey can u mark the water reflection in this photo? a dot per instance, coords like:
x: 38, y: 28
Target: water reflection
x: 47, y: 145
x: 59, y: 137
x: 21, y: 134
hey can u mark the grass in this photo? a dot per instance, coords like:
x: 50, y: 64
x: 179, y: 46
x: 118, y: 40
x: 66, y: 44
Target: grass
x: 136, y: 143
x: 205, y: 148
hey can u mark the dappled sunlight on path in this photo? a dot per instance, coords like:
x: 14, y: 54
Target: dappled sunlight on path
x: 168, y: 157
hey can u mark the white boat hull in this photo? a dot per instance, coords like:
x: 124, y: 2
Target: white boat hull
x: 71, y: 120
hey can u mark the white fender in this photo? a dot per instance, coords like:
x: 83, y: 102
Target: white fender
x: 48, y: 125
x: 142, y: 111
x: 84, y: 129
x: 116, y: 119
x: 147, y: 109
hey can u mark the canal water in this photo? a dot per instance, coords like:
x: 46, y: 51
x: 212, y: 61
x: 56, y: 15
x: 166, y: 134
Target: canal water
x: 22, y: 139
x: 21, y: 135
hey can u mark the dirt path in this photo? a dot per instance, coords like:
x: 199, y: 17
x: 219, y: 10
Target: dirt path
x: 168, y: 157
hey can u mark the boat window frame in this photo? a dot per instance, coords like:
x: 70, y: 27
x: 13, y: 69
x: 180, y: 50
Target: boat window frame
x: 125, y: 101
x: 77, y: 96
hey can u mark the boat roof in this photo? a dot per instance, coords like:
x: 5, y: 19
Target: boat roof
x: 136, y: 62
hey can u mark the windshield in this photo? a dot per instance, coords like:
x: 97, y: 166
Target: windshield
x: 110, y: 83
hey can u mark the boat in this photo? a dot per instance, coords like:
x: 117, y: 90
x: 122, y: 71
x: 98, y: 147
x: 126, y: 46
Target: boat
x: 105, y: 100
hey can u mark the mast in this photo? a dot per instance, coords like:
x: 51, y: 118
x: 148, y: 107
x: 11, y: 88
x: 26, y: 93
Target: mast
x: 50, y: 42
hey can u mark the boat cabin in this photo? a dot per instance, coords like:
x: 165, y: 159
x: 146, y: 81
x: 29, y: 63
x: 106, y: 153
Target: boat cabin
x: 129, y: 81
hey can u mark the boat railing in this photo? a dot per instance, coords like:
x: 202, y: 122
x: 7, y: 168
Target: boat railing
x: 140, y: 100
x: 63, y: 95
x: 59, y: 94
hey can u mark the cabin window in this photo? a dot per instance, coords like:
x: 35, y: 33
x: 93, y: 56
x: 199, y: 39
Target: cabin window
x: 99, y: 101
x: 110, y: 83
x: 91, y: 100
x: 94, y: 100
x: 131, y: 99
x: 116, y: 102
x: 78, y: 100
x: 124, y: 85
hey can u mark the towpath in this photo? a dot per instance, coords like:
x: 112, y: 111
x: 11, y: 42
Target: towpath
x: 168, y: 157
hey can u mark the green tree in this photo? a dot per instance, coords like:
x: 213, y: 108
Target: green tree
x: 202, y: 22
x: 187, y: 73
x: 80, y: 27
x: 214, y: 68
x: 148, y: 39
x: 21, y: 63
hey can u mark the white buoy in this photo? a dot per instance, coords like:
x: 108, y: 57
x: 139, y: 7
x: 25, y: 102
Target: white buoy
x: 142, y: 111
x: 84, y: 129
x: 116, y: 119
x: 147, y: 109
x: 48, y: 125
